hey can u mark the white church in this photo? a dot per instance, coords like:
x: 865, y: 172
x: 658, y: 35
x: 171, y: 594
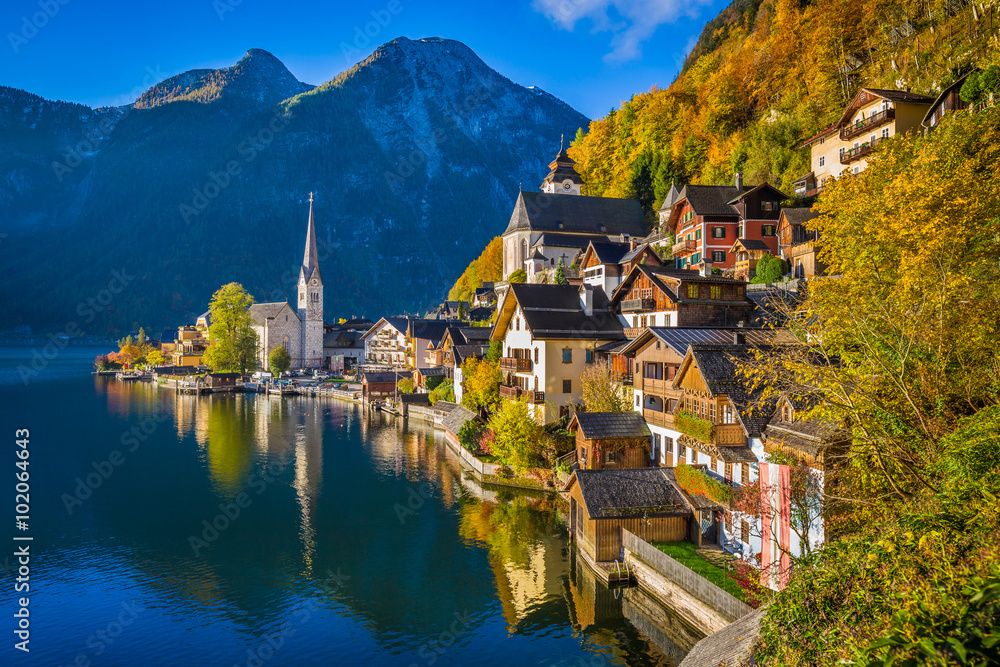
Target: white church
x: 298, y: 331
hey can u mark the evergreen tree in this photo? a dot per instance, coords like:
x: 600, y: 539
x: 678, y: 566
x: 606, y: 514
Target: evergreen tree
x: 560, y: 277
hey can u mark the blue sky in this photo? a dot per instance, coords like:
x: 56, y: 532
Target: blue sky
x: 591, y: 53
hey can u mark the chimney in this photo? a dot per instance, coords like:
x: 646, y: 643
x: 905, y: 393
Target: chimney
x: 632, y: 243
x: 587, y: 299
x: 706, y: 269
x: 739, y: 338
x: 738, y: 181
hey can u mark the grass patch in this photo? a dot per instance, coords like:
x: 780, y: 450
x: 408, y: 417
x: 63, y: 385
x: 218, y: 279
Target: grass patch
x: 686, y: 554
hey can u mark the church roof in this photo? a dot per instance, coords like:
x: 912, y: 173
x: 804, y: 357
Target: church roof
x: 576, y: 214
x: 561, y: 169
x: 261, y: 312
x: 310, y: 259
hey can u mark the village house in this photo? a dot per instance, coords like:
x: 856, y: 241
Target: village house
x: 798, y: 243
x: 747, y: 253
x: 610, y: 440
x: 644, y: 501
x: 549, y: 333
x: 191, y: 341
x: 386, y: 343
x: 377, y: 385
x: 843, y: 148
x: 558, y: 223
x: 654, y: 296
x: 484, y: 296
x: 343, y: 350
x: 708, y: 219
x: 947, y: 102
x: 604, y: 264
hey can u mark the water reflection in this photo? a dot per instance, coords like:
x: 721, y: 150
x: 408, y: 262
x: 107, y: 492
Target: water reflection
x: 338, y: 477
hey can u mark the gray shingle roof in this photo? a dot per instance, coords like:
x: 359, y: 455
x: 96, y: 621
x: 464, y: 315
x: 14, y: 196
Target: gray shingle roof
x: 732, y: 645
x: 901, y: 96
x: 678, y: 338
x: 261, y: 311
x: 630, y: 492
x: 609, y: 252
x: 542, y: 211
x: 553, y: 311
x: 798, y: 216
x: 717, y: 364
x: 596, y: 425
x: 711, y: 199
x: 457, y: 417
x: 753, y: 244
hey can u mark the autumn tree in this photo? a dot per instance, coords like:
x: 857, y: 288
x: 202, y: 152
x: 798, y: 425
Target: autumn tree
x: 601, y: 393
x: 155, y: 358
x: 481, y: 382
x: 517, y: 437
x: 233, y: 340
x: 518, y: 276
x: 406, y: 386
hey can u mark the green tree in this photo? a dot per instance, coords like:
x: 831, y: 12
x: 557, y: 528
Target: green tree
x: 443, y: 392
x: 278, y: 360
x: 518, y: 276
x: 560, y: 277
x: 233, y: 342
x: 517, y: 436
x: 770, y: 269
x: 601, y: 393
x: 406, y: 386
x: 155, y: 358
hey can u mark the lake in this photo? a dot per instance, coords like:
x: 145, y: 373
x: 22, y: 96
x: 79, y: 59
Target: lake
x: 247, y: 530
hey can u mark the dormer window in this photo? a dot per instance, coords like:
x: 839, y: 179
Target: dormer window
x: 786, y: 412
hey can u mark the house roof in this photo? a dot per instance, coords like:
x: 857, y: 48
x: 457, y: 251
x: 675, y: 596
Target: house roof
x: 679, y: 338
x: 862, y: 97
x: 671, y: 197
x: 633, y: 253
x: 385, y: 376
x: 599, y: 425
x: 543, y: 211
x: 629, y: 492
x: 937, y: 100
x: 609, y: 252
x: 554, y: 312
x: 430, y: 372
x: 463, y: 352
x: 457, y: 417
x: 763, y: 186
x: 732, y: 645
x: 432, y: 330
x: 797, y: 216
x: 750, y: 244
x: 667, y: 279
x: 717, y: 365
x: 562, y: 240
x: 819, y: 135
x: 260, y: 312
x: 470, y: 334
x: 711, y: 199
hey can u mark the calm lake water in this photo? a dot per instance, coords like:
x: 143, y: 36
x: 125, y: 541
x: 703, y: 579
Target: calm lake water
x: 243, y: 530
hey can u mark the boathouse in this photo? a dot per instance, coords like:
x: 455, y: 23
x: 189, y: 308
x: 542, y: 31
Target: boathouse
x: 222, y: 381
x: 644, y: 501
x: 611, y: 440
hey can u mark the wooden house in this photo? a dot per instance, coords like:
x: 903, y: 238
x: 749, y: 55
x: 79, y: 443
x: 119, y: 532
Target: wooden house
x: 645, y: 501
x: 611, y: 440
x: 747, y: 253
x: 651, y: 296
x: 222, y: 381
x: 947, y: 102
x: 380, y: 385
x: 797, y: 243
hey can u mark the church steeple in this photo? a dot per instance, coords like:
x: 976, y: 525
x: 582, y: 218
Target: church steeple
x: 311, y: 258
x: 563, y: 177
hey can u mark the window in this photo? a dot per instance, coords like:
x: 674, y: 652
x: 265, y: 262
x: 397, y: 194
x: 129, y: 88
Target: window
x: 682, y: 453
x: 656, y: 446
x: 767, y: 230
x: 885, y: 133
x: 718, y: 232
x: 822, y: 140
x: 590, y: 356
x: 745, y: 474
x: 739, y: 291
x: 822, y: 160
x: 786, y: 412
x: 637, y: 400
x: 716, y: 291
x: 729, y: 471
x: 697, y: 235
x: 692, y: 291
x: 611, y: 457
x: 769, y: 206
x: 567, y: 356
x: 711, y: 412
x: 536, y: 355
x: 668, y: 445
x: 744, y: 531
x: 718, y: 256
x: 567, y: 386
x: 715, y: 465
x: 727, y: 415
x: 517, y: 323
x: 857, y: 170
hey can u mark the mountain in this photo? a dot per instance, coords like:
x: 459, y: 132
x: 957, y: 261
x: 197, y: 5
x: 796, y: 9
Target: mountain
x: 415, y: 154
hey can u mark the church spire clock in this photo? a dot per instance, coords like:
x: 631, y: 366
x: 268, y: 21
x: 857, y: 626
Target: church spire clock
x: 310, y: 309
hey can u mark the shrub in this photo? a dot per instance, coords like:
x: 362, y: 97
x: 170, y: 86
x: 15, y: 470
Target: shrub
x: 406, y: 386
x: 694, y: 481
x: 470, y: 434
x: 696, y: 427
x: 433, y: 382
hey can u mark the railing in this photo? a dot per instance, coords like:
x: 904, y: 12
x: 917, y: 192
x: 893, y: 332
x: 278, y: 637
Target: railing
x: 510, y: 391
x: 730, y: 434
x: 624, y: 378
x: 658, y: 418
x: 699, y: 587
x: 515, y: 364
x: 633, y: 305
x: 633, y: 332
x: 682, y: 246
x: 853, y: 154
x: 874, y: 120
x: 745, y: 266
x: 536, y: 397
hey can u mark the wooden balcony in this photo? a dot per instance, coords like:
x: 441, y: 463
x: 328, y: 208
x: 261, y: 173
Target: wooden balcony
x: 510, y: 391
x: 684, y: 246
x: 638, y: 305
x: 515, y: 365
x: 855, y: 154
x: 730, y: 434
x: 873, y: 121
x: 661, y: 387
x: 744, y: 268
x: 535, y: 397
x: 633, y: 332
x: 657, y: 418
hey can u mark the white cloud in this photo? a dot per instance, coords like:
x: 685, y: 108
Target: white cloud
x: 631, y: 22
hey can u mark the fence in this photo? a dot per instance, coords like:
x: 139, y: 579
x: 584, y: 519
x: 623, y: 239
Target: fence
x: 688, y: 579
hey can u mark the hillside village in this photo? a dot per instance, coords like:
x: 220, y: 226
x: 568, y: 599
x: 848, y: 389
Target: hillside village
x: 613, y: 364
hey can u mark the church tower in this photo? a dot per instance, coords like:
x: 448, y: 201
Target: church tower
x: 311, y: 299
x: 562, y: 177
